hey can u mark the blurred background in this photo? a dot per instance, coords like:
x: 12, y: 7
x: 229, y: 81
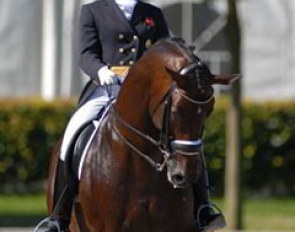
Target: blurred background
x: 250, y: 138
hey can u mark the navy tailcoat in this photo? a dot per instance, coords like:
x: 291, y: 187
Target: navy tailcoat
x: 107, y: 37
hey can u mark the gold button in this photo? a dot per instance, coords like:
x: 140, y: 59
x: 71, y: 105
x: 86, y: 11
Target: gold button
x: 121, y: 50
x: 121, y: 36
x: 131, y: 62
x: 133, y: 50
x: 135, y: 37
x: 121, y: 62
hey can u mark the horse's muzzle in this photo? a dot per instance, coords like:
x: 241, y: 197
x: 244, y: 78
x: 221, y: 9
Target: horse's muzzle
x: 182, y: 180
x: 178, y: 180
x: 183, y: 170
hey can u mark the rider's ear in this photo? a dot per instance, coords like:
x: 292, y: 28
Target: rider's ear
x: 224, y: 79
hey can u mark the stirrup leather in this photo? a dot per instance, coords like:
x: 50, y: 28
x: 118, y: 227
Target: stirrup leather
x: 52, y: 221
x: 218, y: 224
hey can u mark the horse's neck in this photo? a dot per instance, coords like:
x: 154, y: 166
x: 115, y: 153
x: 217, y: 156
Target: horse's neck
x: 132, y: 104
x: 132, y: 108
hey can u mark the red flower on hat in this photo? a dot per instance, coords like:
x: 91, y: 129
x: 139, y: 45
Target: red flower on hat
x: 149, y: 22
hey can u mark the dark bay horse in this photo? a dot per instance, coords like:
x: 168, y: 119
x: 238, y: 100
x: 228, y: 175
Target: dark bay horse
x: 139, y: 169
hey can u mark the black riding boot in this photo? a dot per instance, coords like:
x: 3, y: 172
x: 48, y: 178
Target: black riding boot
x: 209, y: 217
x: 63, y: 199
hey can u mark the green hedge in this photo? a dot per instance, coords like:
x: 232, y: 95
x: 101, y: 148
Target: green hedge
x: 268, y: 147
x: 29, y: 129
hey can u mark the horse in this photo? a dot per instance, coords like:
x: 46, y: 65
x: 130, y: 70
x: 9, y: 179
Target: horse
x: 147, y: 152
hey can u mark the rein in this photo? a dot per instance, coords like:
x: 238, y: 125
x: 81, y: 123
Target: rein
x: 158, y: 166
x: 166, y: 146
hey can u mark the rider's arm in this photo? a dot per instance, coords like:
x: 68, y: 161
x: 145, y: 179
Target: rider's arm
x: 90, y: 44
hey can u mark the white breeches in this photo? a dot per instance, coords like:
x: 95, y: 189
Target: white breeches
x: 87, y: 113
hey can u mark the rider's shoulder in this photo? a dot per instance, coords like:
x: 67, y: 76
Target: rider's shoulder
x: 92, y: 4
x: 149, y: 6
x: 92, y: 7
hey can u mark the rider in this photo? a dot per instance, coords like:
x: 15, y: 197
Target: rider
x: 112, y: 33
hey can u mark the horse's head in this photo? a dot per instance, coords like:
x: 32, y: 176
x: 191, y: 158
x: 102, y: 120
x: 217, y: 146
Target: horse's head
x: 186, y: 102
x: 172, y: 100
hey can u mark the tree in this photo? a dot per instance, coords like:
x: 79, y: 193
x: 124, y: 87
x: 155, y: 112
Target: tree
x: 233, y: 149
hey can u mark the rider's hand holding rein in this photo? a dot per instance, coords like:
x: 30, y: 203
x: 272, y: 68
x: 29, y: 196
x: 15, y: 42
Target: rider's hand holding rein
x: 107, y: 77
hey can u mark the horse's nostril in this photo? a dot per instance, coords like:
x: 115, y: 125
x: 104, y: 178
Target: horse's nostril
x: 178, y: 179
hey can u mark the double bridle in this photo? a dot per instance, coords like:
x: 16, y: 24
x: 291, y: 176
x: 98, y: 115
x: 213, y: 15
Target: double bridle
x: 166, y: 145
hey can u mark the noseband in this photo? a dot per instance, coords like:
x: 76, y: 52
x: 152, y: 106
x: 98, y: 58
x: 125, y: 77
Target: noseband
x: 166, y: 145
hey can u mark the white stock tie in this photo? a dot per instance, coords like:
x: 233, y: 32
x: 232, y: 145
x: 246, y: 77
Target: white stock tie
x: 127, y: 7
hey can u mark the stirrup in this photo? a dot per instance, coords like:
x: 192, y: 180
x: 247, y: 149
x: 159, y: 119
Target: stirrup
x: 52, y: 222
x: 48, y: 223
x: 218, y: 224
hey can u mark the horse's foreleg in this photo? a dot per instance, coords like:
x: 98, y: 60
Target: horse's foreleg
x: 78, y: 223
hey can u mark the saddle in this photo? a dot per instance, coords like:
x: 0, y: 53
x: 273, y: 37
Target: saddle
x: 79, y: 146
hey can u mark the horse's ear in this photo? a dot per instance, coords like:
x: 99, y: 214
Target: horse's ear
x: 214, y: 79
x: 224, y: 79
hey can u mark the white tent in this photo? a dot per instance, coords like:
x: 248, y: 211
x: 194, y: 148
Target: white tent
x: 268, y: 49
x: 38, y: 46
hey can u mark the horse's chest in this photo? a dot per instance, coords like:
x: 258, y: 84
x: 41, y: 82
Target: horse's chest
x: 155, y: 215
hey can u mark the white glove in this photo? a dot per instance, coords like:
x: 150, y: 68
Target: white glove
x: 106, y: 76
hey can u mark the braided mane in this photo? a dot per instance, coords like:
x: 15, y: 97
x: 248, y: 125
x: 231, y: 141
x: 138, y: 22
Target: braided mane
x: 180, y: 45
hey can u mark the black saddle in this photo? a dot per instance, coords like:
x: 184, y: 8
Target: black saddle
x: 74, y: 155
x: 78, y: 144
